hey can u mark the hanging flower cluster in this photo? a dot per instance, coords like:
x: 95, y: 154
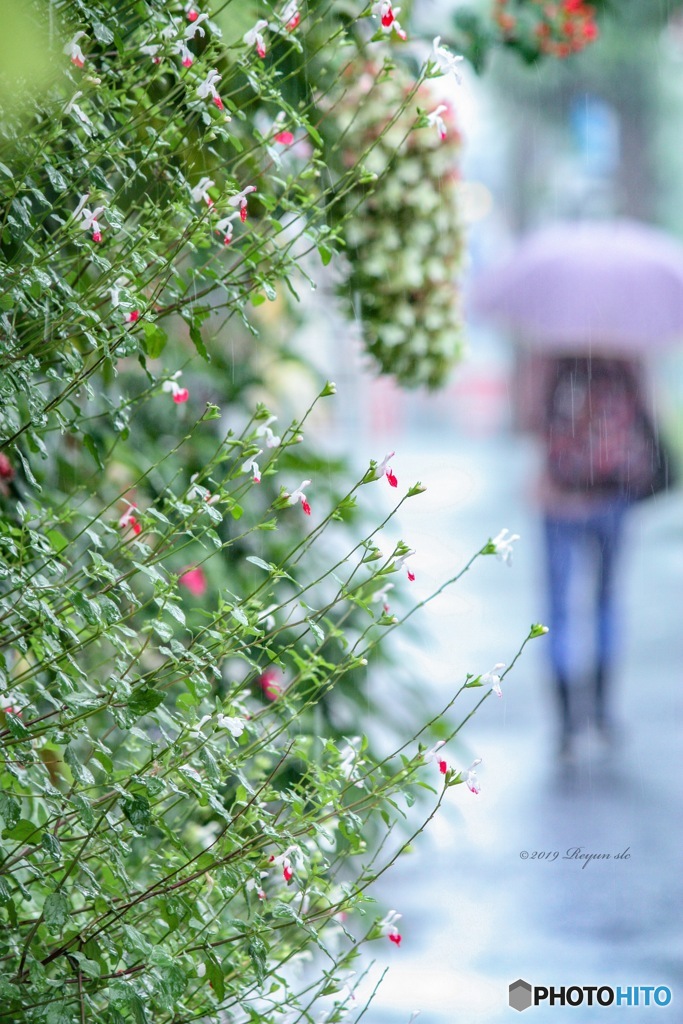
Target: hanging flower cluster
x: 558, y: 28
x: 404, y: 235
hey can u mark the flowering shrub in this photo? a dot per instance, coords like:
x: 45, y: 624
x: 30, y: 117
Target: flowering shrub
x: 403, y: 235
x: 180, y: 592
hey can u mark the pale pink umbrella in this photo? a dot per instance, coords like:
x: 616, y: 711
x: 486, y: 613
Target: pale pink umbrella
x: 614, y: 286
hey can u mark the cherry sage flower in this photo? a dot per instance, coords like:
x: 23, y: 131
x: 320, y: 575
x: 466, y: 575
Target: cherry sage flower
x: 240, y: 201
x: 186, y: 58
x: 469, y: 777
x: 132, y: 317
x: 73, y: 50
x: 385, y: 470
x: 269, y: 684
x: 398, y: 563
x: 225, y: 227
x: 201, y: 190
x: 492, y: 678
x: 291, y: 16
x: 387, y: 15
x: 382, y: 594
x: 298, y: 495
x: 448, y: 62
x: 502, y: 545
x: 254, y: 885
x: 235, y: 726
x: 292, y: 853
x: 251, y: 466
x: 255, y: 38
x: 431, y: 755
x: 194, y: 580
x: 128, y: 520
x: 197, y: 493
x: 272, y: 440
x: 196, y: 26
x: 435, y: 120
x: 191, y: 12
x: 90, y: 218
x: 115, y: 290
x: 389, y: 928
x: 179, y: 394
x: 152, y: 50
x: 280, y: 134
x: 208, y: 88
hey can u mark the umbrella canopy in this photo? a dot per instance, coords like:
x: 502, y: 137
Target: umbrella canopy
x: 598, y: 285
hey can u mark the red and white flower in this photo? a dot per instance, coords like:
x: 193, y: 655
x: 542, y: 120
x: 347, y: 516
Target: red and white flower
x: 201, y: 190
x: 251, y: 466
x: 128, y: 520
x: 255, y: 38
x: 225, y: 227
x: 185, y: 55
x: 298, y: 495
x: 208, y: 88
x: 384, y: 469
x: 179, y: 394
x: 382, y: 595
x: 433, y: 755
x: 291, y: 15
x: 492, y: 678
x: 73, y: 50
x: 398, y: 564
x: 435, y: 120
x: 197, y: 493
x: 191, y: 12
x: 240, y: 201
x: 132, y: 317
x: 90, y: 218
x: 386, y: 13
x: 389, y: 927
x: 469, y: 777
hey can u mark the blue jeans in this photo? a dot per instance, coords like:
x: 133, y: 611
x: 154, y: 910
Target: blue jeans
x: 596, y: 536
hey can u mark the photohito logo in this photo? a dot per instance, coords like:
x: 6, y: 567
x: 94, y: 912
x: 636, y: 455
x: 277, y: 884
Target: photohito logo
x: 523, y: 995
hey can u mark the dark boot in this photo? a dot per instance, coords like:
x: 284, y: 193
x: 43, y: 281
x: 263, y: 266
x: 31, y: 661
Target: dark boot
x: 564, y: 707
x: 600, y: 689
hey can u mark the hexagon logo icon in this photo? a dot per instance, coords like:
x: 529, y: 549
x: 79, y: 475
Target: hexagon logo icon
x: 520, y: 995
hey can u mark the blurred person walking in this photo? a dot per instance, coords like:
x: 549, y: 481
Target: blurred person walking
x: 601, y: 453
x: 588, y: 298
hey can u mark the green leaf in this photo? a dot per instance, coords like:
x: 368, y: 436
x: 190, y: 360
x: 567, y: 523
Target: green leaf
x: 143, y: 700
x: 154, y: 340
x: 52, y: 846
x: 198, y: 342
x: 89, y: 443
x: 138, y: 812
x: 57, y: 540
x: 23, y: 832
x: 258, y: 952
x: 5, y: 894
x: 56, y: 911
x: 10, y: 809
x: 261, y: 564
x: 59, y: 1013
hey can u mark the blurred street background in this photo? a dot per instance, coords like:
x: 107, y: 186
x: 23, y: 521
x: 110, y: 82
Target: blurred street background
x: 593, y: 138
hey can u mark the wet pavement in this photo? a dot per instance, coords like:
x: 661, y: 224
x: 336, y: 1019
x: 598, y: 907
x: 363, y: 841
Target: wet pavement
x: 477, y: 913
